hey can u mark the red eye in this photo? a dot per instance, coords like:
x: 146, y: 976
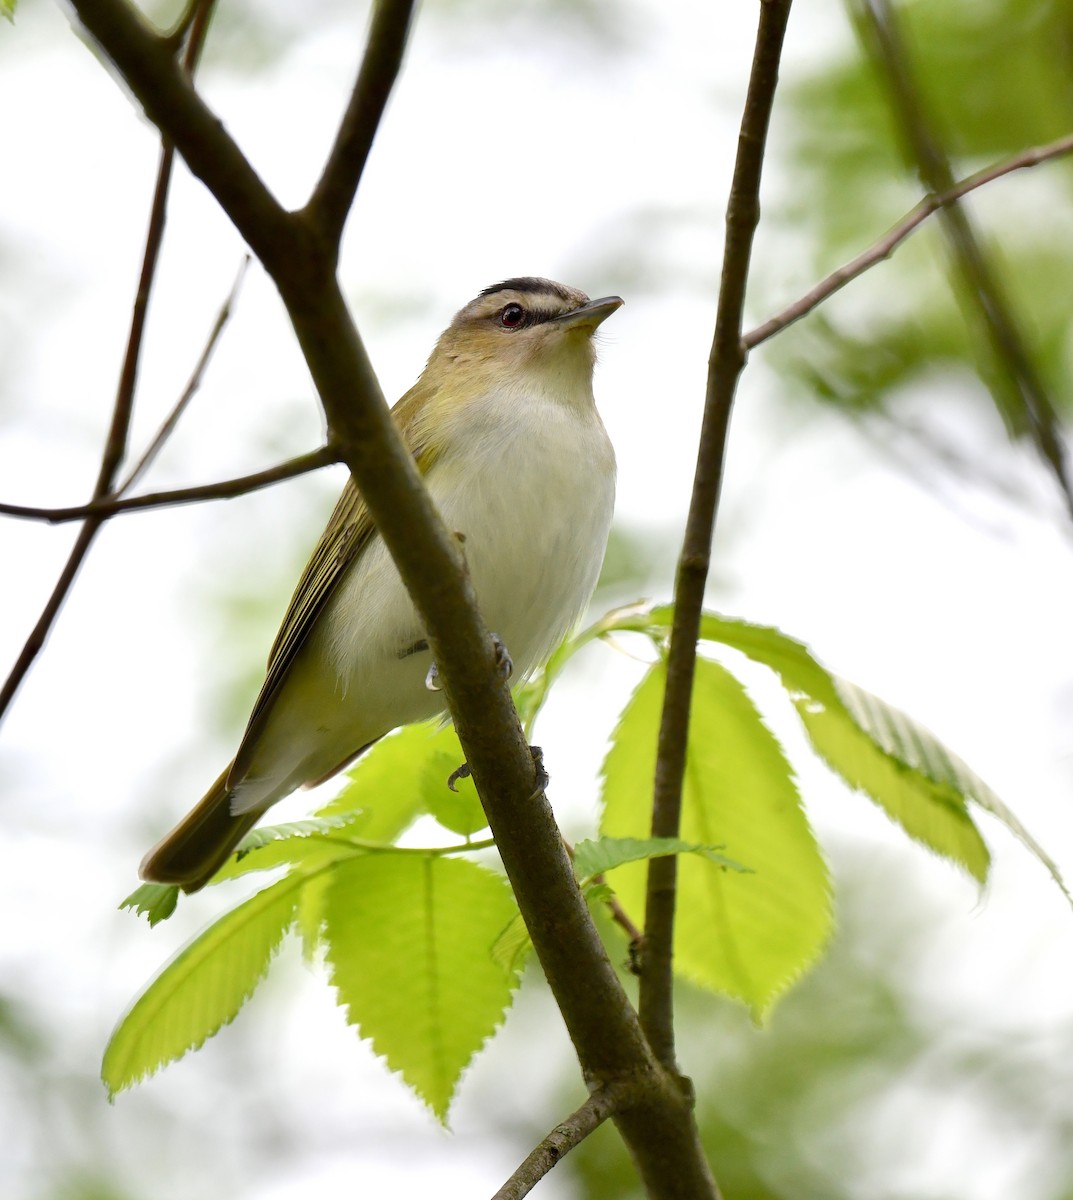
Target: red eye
x: 512, y: 316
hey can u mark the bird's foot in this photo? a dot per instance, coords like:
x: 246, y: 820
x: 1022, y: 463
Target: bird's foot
x: 504, y: 664
x: 541, y: 778
x: 462, y: 772
x: 432, y: 679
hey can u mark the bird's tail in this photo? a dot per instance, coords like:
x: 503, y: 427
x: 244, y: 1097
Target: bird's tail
x: 201, y: 843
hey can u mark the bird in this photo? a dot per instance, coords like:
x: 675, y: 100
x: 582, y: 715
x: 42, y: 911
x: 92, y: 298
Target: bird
x: 504, y: 430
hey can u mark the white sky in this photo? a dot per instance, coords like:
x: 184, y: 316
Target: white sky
x: 505, y: 151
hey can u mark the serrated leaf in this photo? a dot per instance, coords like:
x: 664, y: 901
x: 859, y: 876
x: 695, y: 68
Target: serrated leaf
x: 919, y: 793
x: 409, y: 943
x: 749, y: 935
x: 202, y: 988
x: 156, y: 900
x: 309, y: 844
x: 606, y: 853
x: 912, y: 744
x: 927, y: 805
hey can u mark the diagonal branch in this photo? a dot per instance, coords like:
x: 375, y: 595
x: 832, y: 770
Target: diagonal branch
x: 110, y: 506
x: 885, y: 246
x: 563, y: 1138
x: 334, y: 194
x: 116, y: 443
x: 1029, y: 404
x: 725, y: 365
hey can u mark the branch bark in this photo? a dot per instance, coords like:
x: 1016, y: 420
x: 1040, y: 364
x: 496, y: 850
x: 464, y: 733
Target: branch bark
x: 725, y: 365
x: 110, y: 506
x: 563, y: 1138
x: 659, y: 1129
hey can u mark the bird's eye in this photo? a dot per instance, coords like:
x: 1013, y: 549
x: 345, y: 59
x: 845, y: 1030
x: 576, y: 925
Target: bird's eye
x: 512, y: 316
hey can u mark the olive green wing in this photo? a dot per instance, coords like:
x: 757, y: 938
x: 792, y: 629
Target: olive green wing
x: 348, y: 532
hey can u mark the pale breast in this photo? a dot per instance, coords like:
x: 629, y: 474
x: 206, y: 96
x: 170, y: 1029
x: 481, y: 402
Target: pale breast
x: 534, y: 498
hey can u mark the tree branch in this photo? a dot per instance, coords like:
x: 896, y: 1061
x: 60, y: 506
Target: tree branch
x: 334, y: 194
x: 562, y: 1139
x: 890, y: 241
x: 725, y: 365
x: 116, y: 443
x: 110, y: 506
x: 1028, y: 403
x: 659, y: 1130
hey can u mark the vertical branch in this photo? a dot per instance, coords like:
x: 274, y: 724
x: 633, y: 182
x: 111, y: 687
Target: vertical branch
x: 334, y: 194
x: 725, y: 365
x: 1029, y: 405
x: 115, y: 446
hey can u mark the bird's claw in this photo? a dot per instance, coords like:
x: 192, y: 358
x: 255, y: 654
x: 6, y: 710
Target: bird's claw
x: 462, y: 772
x: 504, y: 662
x: 541, y: 779
x: 504, y: 665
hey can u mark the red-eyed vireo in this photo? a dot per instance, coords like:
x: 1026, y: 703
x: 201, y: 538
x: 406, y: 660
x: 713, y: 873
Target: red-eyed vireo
x: 504, y: 429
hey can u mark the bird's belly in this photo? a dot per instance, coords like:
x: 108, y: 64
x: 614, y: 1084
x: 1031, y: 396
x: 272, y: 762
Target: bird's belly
x: 534, y: 522
x: 535, y: 528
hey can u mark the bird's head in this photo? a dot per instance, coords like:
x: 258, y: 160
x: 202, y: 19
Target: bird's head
x: 527, y: 331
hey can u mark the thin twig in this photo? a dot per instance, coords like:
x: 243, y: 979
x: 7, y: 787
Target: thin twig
x: 334, y: 194
x: 563, y: 1138
x: 1028, y: 403
x: 110, y: 506
x: 116, y: 442
x: 724, y: 367
x: 194, y: 382
x: 890, y: 241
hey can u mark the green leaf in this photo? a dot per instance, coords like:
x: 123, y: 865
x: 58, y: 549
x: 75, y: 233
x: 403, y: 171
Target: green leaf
x: 309, y: 844
x: 750, y: 935
x: 7, y: 9
x: 398, y: 780
x: 201, y: 989
x: 911, y: 744
x: 606, y: 853
x: 156, y: 900
x: 912, y: 785
x: 409, y: 942
x: 894, y: 761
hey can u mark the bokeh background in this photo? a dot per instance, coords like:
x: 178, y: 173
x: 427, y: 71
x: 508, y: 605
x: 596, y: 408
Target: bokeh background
x: 875, y: 506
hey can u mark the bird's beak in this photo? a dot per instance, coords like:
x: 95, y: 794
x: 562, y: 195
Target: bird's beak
x: 591, y: 314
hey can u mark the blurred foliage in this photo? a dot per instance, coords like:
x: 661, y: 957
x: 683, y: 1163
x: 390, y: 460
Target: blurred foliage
x: 995, y: 77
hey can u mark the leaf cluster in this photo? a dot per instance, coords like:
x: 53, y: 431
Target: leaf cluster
x: 424, y: 945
